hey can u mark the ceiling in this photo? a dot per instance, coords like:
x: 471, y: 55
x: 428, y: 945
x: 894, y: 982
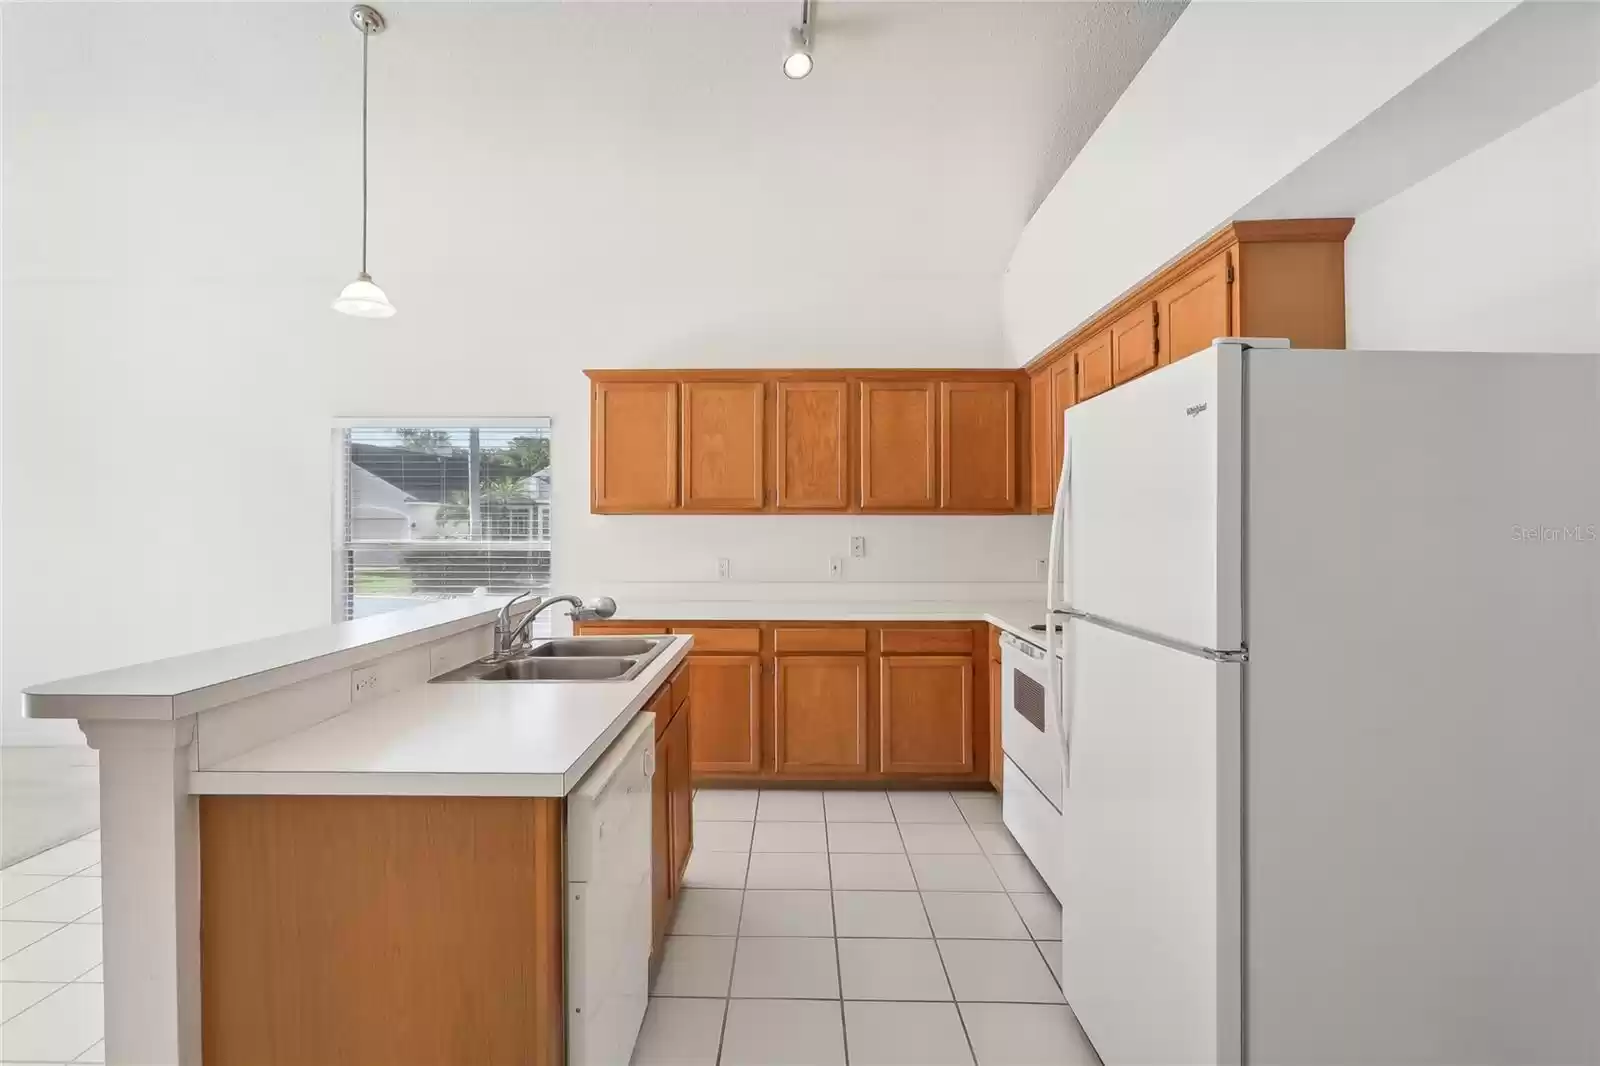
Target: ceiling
x: 613, y: 140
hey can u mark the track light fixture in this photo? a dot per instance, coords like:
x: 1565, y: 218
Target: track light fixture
x: 797, y: 60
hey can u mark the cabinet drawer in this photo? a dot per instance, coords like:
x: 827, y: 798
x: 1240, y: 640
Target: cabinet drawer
x: 954, y: 640
x: 740, y: 641
x: 799, y: 641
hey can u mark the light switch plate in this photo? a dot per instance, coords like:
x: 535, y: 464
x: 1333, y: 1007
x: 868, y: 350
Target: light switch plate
x: 858, y: 547
x: 835, y: 568
x: 724, y: 569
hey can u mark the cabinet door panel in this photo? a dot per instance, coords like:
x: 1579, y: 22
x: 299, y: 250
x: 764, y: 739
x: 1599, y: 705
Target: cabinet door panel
x: 899, y: 444
x: 820, y: 714
x: 1041, y: 414
x: 1133, y: 343
x: 680, y: 797
x: 813, y: 445
x: 926, y: 714
x: 977, y: 446
x: 633, y: 448
x: 1094, y: 365
x: 661, y: 868
x: 1194, y: 310
x: 725, y: 702
x: 723, y: 449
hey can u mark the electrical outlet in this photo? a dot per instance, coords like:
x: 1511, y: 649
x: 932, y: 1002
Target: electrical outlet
x: 836, y: 568
x: 363, y: 681
x: 724, y: 569
x: 1042, y: 570
x: 858, y: 547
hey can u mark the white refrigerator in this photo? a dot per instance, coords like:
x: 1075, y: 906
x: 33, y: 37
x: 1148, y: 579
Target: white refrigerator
x: 1330, y: 708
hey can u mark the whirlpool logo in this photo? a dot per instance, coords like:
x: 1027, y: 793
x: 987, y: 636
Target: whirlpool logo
x: 1194, y: 412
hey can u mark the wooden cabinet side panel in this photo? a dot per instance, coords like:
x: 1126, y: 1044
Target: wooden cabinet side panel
x: 899, y: 445
x: 1063, y: 394
x: 820, y: 714
x: 725, y: 702
x: 724, y: 442
x: 372, y: 930
x: 1041, y: 416
x: 926, y: 709
x: 633, y: 446
x: 662, y: 883
x: 1292, y: 289
x: 978, y: 446
x: 813, y: 445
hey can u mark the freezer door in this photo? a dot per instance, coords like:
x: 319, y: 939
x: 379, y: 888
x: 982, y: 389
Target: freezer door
x: 1150, y: 859
x: 1153, y: 512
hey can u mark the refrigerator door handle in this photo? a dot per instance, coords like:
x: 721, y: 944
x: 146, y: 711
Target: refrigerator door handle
x: 1216, y: 655
x: 1060, y: 535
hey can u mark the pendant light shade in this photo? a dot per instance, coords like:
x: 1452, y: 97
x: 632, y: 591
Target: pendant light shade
x: 361, y: 298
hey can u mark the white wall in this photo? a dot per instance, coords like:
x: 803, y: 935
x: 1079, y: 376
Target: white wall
x: 1498, y: 252
x: 1234, y: 98
x: 180, y: 185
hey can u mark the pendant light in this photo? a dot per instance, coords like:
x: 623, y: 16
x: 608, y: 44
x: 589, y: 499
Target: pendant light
x: 361, y: 297
x: 797, y: 58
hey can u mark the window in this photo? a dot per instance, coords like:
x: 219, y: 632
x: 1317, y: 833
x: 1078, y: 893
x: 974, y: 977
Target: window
x: 430, y: 510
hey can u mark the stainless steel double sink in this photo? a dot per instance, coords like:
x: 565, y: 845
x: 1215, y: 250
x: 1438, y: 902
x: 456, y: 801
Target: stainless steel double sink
x: 566, y: 659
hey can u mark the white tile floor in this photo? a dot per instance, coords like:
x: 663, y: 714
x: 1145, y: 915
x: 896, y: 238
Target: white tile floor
x: 52, y: 1006
x: 873, y: 929
x: 821, y: 928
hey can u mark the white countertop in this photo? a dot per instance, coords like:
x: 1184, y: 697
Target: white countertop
x: 1015, y: 617
x: 451, y: 739
x: 189, y: 684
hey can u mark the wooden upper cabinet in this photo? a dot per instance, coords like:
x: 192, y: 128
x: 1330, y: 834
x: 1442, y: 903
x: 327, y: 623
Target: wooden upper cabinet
x: 978, y: 445
x: 1063, y: 394
x: 633, y: 451
x: 1133, y: 343
x: 925, y: 714
x: 1195, y: 310
x: 724, y: 466
x: 899, y: 446
x: 725, y: 702
x: 812, y: 445
x: 1040, y: 441
x: 819, y: 714
x: 1094, y: 365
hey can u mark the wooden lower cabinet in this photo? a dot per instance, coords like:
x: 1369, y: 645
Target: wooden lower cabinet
x: 834, y: 703
x: 925, y: 714
x: 376, y: 930
x: 725, y: 699
x: 672, y: 814
x: 819, y: 716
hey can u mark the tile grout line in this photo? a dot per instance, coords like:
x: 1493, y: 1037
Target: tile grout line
x: 937, y: 950
x: 833, y: 915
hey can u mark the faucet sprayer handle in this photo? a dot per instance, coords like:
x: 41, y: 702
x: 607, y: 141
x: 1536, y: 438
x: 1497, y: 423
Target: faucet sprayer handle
x: 599, y: 607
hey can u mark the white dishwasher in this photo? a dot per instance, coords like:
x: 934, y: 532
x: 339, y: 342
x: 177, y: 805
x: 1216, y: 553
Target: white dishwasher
x: 608, y: 900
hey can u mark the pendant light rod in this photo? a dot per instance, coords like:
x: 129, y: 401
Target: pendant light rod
x: 370, y: 22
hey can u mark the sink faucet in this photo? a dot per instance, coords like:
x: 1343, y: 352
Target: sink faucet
x: 506, y: 636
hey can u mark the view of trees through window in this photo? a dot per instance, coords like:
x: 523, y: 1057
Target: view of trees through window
x: 434, y: 511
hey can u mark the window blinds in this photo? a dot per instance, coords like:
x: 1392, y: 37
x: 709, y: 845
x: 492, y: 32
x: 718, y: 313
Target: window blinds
x: 434, y: 511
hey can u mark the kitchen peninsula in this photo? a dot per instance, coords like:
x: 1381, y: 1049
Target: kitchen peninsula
x: 384, y: 866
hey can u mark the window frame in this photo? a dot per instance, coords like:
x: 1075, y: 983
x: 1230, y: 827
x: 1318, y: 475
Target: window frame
x: 341, y: 484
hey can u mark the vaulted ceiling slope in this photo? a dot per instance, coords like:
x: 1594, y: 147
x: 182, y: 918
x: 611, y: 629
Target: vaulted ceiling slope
x: 608, y: 139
